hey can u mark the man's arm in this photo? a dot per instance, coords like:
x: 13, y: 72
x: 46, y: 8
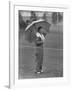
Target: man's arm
x: 38, y: 40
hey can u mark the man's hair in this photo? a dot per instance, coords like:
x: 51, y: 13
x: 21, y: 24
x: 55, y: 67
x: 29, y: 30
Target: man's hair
x: 39, y: 29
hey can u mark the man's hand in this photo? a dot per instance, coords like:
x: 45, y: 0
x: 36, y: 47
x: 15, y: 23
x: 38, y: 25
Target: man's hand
x: 39, y: 40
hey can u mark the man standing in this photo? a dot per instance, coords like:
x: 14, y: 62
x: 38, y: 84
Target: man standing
x: 40, y: 38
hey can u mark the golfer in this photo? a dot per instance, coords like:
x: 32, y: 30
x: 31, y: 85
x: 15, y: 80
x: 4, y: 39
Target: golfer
x: 40, y: 38
x: 36, y: 32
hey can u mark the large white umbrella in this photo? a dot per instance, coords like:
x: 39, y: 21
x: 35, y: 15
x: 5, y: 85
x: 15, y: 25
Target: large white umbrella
x: 33, y: 27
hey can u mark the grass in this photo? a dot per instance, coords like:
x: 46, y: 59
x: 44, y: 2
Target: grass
x: 53, y: 55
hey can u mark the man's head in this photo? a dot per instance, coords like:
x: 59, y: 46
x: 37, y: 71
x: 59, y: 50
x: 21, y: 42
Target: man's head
x: 42, y: 30
x: 39, y: 29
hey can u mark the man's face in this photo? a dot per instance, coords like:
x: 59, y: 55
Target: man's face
x: 43, y: 31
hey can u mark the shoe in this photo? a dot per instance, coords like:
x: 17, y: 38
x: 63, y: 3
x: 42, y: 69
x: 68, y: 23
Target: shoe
x: 41, y: 71
x: 38, y: 72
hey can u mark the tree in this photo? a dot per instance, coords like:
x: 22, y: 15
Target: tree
x: 60, y: 17
x: 44, y: 16
x: 33, y: 16
x: 22, y: 24
x: 54, y: 17
x: 57, y: 17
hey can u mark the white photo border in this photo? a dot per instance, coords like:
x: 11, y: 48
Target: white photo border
x: 43, y: 82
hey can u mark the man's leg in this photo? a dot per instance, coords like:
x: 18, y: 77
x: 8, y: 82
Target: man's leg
x: 39, y: 58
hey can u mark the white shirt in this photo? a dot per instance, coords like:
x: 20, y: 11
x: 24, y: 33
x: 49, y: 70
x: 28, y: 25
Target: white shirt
x: 40, y: 35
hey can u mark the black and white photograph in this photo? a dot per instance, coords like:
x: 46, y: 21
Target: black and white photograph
x: 36, y: 45
x: 40, y: 44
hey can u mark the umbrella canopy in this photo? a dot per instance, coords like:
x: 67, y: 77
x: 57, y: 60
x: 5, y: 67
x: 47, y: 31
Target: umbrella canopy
x: 33, y: 27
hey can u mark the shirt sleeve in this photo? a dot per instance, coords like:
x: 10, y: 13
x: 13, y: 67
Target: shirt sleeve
x: 37, y: 34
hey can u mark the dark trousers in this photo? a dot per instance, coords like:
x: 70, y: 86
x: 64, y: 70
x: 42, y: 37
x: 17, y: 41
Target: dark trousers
x: 39, y: 57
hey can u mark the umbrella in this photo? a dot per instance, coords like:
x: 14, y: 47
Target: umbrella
x: 33, y: 27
